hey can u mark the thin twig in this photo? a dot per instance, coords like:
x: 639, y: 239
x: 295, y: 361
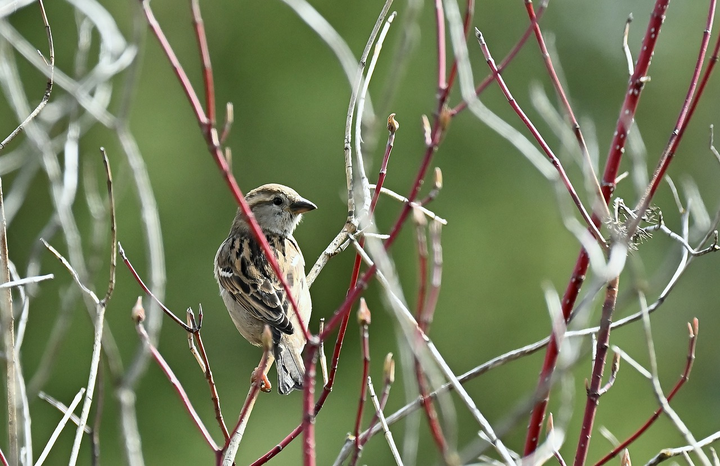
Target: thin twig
x: 360, y: 171
x: 48, y: 88
x: 505, y: 61
x: 693, y: 95
x: 210, y: 379
x: 693, y: 252
x: 26, y: 281
x: 679, y: 424
x: 588, y: 169
x: 60, y: 406
x: 616, y: 149
x: 626, y: 48
x: 364, y: 318
x: 437, y: 357
x: 147, y: 291
x: 206, y: 64
x: 388, y: 380
x: 7, y: 323
x: 232, y: 443
x: 321, y: 351
x: 430, y: 214
x: 693, y: 330
x: 95, y: 360
x: 113, y: 229
x: 347, y: 144
x: 67, y: 414
x: 538, y: 137
x: 386, y: 429
x: 309, y: 409
x: 422, y: 382
x: 138, y: 317
x: 671, y: 452
x: 595, y: 386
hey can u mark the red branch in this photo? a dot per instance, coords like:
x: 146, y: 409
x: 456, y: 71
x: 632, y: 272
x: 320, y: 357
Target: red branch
x: 147, y: 291
x: 594, y: 392
x: 177, y: 386
x: 561, y: 93
x: 214, y: 396
x: 213, y: 143
x: 441, y: 54
x: 364, y: 321
x: 255, y: 388
x: 577, y: 278
x: 682, y: 122
x: 207, y: 65
x: 308, y: 423
x: 693, y: 330
x: 503, y: 64
x: 423, y: 387
x: 538, y: 137
x: 340, y: 316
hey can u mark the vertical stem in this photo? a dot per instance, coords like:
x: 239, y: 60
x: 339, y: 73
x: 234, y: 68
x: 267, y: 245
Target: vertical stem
x: 7, y: 323
x: 593, y: 394
x: 309, y: 411
x: 612, y: 166
x: 441, y: 54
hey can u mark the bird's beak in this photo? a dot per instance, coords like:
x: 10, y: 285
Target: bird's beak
x: 302, y: 205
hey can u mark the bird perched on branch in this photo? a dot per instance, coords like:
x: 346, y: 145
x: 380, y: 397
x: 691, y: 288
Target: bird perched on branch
x: 253, y: 294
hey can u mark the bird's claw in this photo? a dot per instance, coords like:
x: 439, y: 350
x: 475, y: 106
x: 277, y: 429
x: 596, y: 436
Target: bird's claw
x: 265, y: 384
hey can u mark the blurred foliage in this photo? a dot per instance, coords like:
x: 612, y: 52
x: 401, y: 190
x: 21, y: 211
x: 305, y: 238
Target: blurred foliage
x: 504, y: 238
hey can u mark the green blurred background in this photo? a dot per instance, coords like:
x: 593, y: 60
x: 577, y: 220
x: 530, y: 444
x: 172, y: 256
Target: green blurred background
x: 504, y: 238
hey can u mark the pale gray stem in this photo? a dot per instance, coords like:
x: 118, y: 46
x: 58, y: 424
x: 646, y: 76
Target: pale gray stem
x: 385, y: 428
x: 61, y: 425
x: 7, y: 323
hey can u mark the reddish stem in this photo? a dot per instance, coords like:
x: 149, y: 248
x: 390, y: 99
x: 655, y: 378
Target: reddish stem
x: 207, y: 65
x: 213, y: 144
x: 147, y: 291
x: 577, y: 278
x: 177, y: 386
x: 593, y: 394
x: 561, y: 93
x: 427, y: 404
x: 423, y: 388
x: 683, y: 378
x: 365, y: 348
x: 680, y: 126
x: 211, y: 384
x: 441, y: 54
x: 538, y: 137
x: 504, y: 63
x: 308, y: 423
x: 340, y: 317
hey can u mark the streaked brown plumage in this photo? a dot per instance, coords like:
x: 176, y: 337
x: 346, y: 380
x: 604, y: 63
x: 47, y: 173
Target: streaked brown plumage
x: 252, y: 293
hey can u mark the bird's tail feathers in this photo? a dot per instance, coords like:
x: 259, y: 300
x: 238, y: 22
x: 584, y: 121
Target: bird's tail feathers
x: 290, y: 369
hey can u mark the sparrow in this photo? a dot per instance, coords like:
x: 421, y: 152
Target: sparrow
x: 253, y: 294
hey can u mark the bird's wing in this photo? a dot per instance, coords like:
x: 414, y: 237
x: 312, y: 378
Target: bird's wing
x: 244, y: 272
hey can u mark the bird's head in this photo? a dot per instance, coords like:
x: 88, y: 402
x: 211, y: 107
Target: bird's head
x: 277, y: 209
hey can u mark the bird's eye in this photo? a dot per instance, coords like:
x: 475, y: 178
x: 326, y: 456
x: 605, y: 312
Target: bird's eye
x: 277, y: 200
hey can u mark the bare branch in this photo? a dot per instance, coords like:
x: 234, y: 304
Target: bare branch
x: 67, y: 414
x: 386, y: 429
x: 672, y: 452
x: 48, y: 88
